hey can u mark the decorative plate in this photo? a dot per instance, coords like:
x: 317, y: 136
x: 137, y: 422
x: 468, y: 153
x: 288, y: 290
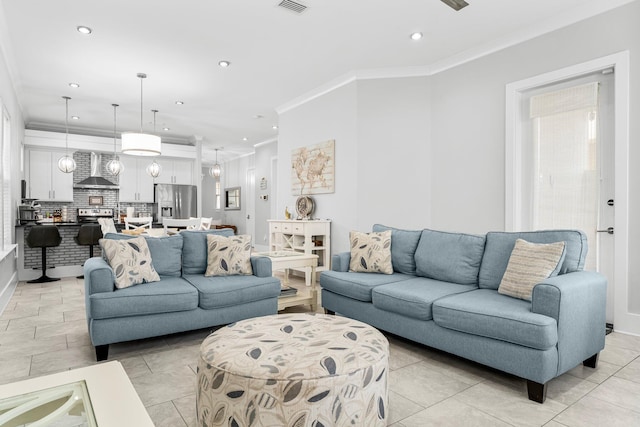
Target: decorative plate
x: 304, y: 207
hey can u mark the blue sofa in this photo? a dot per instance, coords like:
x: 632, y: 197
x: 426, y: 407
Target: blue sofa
x: 184, y: 299
x: 443, y: 293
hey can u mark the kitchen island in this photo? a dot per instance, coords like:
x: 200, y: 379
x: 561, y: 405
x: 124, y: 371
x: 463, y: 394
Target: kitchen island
x: 65, y: 260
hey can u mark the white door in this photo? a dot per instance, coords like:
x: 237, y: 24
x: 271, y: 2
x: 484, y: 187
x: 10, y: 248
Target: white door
x: 569, y: 135
x: 250, y: 201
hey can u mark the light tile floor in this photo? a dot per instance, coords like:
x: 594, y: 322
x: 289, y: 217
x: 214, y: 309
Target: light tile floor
x: 43, y: 330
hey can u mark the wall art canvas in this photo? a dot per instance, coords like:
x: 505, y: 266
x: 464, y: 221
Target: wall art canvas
x: 313, y: 169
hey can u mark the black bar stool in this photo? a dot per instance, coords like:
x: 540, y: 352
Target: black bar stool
x: 44, y: 236
x: 88, y: 235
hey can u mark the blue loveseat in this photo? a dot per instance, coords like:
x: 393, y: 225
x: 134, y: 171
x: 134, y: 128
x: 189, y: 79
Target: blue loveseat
x: 184, y: 299
x: 443, y: 293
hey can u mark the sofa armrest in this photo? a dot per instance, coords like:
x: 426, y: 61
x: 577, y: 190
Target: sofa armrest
x: 340, y: 261
x: 261, y: 266
x: 98, y: 276
x: 578, y: 303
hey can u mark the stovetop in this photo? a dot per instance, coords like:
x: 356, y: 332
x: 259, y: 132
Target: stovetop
x: 95, y: 213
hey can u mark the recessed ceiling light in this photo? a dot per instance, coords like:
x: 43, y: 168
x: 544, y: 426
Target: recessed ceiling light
x: 84, y: 30
x: 75, y: 118
x: 166, y: 129
x: 74, y: 85
x: 274, y: 127
x: 258, y: 116
x: 416, y: 36
x: 179, y: 102
x: 224, y: 64
x: 245, y: 139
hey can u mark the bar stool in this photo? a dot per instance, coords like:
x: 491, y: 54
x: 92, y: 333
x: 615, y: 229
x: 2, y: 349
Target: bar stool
x: 44, y: 236
x: 88, y: 235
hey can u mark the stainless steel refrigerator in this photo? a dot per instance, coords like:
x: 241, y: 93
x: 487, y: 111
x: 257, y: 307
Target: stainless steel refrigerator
x: 174, y: 201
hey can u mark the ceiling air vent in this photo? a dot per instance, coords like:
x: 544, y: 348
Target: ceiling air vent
x: 293, y: 6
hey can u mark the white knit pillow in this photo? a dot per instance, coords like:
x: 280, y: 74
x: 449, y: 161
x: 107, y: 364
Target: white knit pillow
x: 529, y: 264
x: 371, y: 252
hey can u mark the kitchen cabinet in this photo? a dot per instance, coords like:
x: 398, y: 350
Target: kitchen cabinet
x: 135, y: 184
x: 175, y: 172
x: 46, y: 181
x: 306, y: 236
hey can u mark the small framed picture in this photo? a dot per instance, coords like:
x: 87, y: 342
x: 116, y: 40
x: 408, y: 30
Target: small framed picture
x: 95, y: 200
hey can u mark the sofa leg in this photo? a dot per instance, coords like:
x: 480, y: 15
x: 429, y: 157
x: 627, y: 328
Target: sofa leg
x: 537, y: 392
x: 102, y: 352
x: 592, y: 362
x: 327, y: 311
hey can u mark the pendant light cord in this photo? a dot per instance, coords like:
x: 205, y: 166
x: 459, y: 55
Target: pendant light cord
x: 114, y: 129
x: 66, y: 125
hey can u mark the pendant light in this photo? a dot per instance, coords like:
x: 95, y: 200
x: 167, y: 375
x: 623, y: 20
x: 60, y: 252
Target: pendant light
x: 140, y: 143
x: 66, y: 164
x: 154, y: 168
x: 215, y: 170
x: 114, y: 166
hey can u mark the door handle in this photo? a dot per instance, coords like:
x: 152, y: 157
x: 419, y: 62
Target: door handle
x: 609, y: 230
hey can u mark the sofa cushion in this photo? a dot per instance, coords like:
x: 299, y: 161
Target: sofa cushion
x: 130, y: 261
x: 500, y: 244
x: 167, y: 295
x: 357, y: 285
x: 414, y: 297
x: 529, y: 264
x: 449, y: 257
x: 226, y: 291
x: 166, y: 252
x: 487, y: 313
x: 370, y: 252
x: 228, y: 256
x: 403, y: 248
x: 194, y: 249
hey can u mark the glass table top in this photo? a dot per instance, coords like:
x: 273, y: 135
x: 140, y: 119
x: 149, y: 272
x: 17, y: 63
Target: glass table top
x: 66, y: 405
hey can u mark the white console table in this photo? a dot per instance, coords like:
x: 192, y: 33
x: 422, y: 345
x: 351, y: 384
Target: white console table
x: 311, y: 237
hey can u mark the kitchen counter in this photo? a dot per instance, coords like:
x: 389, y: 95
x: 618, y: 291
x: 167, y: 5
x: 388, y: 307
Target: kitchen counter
x: 65, y: 260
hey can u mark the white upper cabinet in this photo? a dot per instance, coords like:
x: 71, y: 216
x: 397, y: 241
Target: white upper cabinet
x: 46, y: 181
x: 175, y: 172
x: 135, y: 184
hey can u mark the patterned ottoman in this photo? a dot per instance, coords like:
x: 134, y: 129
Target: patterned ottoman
x: 293, y: 370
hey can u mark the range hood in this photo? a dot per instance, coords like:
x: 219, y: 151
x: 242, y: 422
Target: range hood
x: 96, y: 180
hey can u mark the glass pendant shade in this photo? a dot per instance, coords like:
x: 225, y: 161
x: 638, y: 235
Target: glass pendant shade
x: 154, y: 169
x: 66, y: 164
x: 115, y: 167
x: 141, y: 144
x: 215, y: 171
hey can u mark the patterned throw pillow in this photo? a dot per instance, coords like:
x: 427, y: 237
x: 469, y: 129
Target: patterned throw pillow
x: 371, y: 252
x: 228, y: 256
x: 529, y: 264
x: 130, y: 260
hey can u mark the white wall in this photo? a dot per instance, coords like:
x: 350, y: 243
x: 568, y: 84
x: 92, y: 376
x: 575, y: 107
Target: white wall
x: 264, y: 153
x: 8, y: 99
x: 394, y: 179
x: 234, y: 174
x: 332, y: 116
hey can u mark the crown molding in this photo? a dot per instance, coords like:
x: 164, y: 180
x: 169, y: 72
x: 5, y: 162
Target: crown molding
x: 595, y: 7
x: 265, y: 142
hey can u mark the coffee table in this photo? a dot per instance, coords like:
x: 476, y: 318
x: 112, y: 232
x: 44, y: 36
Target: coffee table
x: 285, y: 260
x: 99, y: 395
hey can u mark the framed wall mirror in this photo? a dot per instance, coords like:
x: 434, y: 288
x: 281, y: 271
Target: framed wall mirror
x: 232, y: 198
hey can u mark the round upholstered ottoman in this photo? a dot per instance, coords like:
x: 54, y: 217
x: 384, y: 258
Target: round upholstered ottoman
x: 294, y: 370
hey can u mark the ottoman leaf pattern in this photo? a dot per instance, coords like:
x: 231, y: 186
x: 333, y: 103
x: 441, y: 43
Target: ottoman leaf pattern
x: 294, y: 370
